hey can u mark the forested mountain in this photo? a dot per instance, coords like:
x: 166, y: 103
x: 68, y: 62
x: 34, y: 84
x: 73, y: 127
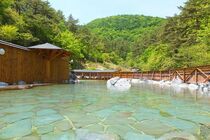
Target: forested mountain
x: 179, y: 41
x: 118, y: 33
x: 148, y: 43
x: 183, y: 41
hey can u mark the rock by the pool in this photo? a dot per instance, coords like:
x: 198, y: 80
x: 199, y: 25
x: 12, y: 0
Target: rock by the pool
x: 21, y: 83
x: 177, y: 81
x: 3, y: 84
x: 121, y: 84
x: 193, y: 87
x: 135, y: 81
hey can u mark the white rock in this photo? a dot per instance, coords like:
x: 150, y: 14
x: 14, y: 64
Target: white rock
x: 142, y: 81
x: 183, y: 85
x: 168, y: 82
x: 3, y: 84
x: 177, y: 80
x: 205, y: 89
x: 155, y: 82
x: 21, y: 83
x: 162, y: 82
x: 193, y: 87
x: 120, y: 84
x: 135, y: 81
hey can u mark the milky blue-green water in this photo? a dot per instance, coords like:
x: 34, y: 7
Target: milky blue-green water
x: 89, y: 111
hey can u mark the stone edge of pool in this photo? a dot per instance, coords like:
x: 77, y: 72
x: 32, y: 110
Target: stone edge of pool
x: 21, y: 87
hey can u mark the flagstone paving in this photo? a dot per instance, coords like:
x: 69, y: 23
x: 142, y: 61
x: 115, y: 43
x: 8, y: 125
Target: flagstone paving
x: 88, y: 111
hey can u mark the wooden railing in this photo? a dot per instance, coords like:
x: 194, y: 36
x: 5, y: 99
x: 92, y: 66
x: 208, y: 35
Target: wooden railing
x: 188, y: 75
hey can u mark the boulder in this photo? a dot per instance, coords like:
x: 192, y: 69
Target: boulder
x: 177, y: 81
x: 193, y: 87
x: 3, y: 84
x: 183, y: 85
x: 21, y: 83
x: 135, y: 81
x: 204, y: 87
x: 120, y: 84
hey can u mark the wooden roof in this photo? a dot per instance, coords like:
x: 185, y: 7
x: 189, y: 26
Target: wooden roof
x: 47, y: 46
x: 46, y: 49
x: 13, y: 45
x: 50, y: 51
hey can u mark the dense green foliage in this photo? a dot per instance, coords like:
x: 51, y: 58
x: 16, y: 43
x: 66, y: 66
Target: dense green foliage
x: 152, y: 43
x: 183, y: 41
x: 30, y: 22
x: 148, y: 43
x: 118, y: 33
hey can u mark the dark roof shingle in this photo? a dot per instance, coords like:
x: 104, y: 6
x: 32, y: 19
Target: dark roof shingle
x: 13, y: 45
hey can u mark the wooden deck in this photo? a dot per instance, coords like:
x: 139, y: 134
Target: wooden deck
x: 199, y: 74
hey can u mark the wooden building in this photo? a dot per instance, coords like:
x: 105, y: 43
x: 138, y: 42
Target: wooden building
x: 42, y: 63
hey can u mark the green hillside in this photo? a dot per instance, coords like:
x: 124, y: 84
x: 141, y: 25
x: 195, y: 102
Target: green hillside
x: 144, y: 42
x: 118, y: 33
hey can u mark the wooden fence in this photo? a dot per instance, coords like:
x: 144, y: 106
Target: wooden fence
x: 199, y: 74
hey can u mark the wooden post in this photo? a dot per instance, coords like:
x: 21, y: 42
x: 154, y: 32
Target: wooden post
x: 196, y: 76
x: 160, y: 75
x: 47, y: 71
x: 169, y: 75
x: 184, y: 75
x: 153, y: 75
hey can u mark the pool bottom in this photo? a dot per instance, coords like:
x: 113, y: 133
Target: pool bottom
x: 90, y: 111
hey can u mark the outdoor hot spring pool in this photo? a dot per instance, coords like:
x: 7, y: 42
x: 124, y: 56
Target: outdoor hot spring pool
x: 89, y: 111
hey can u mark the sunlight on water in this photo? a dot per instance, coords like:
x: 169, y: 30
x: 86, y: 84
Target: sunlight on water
x: 90, y: 111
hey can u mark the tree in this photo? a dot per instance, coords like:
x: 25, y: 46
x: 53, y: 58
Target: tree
x: 68, y: 41
x: 72, y: 24
x: 8, y: 32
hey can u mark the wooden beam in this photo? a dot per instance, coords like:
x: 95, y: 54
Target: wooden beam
x: 55, y: 55
x: 190, y: 76
x: 206, y: 79
x: 179, y: 75
x: 202, y: 72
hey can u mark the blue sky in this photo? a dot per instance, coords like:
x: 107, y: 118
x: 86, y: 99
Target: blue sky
x: 88, y: 10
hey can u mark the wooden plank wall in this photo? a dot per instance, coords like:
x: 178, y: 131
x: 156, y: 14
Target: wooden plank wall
x: 24, y: 65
